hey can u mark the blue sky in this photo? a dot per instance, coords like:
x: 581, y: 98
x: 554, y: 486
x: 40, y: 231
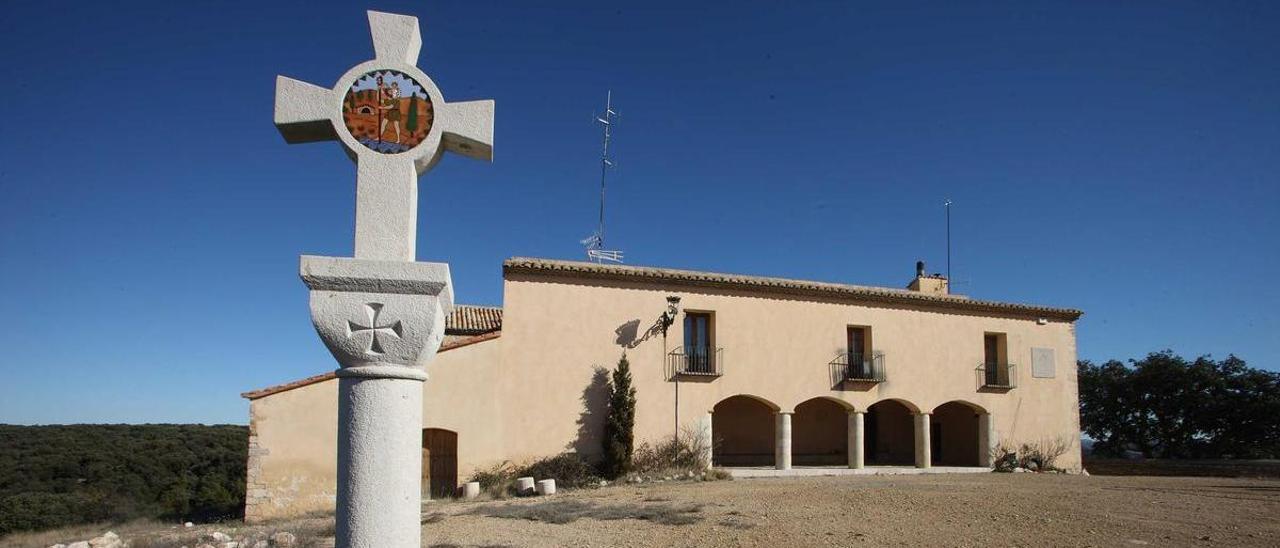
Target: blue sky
x: 1121, y: 159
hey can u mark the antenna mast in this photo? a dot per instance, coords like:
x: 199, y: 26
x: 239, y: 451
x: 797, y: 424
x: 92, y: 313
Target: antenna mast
x: 607, y: 122
x: 948, y: 205
x: 595, y: 244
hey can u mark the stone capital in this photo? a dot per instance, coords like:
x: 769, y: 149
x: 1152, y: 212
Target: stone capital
x: 379, y: 313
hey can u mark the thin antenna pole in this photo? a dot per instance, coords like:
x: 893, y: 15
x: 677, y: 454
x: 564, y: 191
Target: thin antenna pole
x: 604, y: 156
x: 948, y: 204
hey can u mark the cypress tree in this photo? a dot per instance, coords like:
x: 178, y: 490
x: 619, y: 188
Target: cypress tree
x: 619, y: 438
x: 412, y: 122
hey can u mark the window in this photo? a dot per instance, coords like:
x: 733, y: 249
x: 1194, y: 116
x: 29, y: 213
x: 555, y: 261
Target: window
x: 698, y: 344
x: 859, y: 352
x: 995, y: 359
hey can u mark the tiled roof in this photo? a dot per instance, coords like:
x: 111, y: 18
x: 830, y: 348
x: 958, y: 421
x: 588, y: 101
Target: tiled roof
x: 473, y: 320
x: 852, y: 293
x: 457, y: 343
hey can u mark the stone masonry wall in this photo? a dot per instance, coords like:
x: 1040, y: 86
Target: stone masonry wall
x: 255, y: 495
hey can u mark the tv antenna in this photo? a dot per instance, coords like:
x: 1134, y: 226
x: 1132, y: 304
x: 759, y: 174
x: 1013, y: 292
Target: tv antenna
x: 595, y: 243
x: 947, y: 204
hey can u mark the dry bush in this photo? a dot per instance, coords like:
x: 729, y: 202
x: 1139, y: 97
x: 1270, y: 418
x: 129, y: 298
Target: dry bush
x: 313, y: 530
x: 568, y: 469
x: 1039, y: 455
x: 716, y: 474
x: 497, y: 480
x: 673, y: 455
x: 1043, y: 453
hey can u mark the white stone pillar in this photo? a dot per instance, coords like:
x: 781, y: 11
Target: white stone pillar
x: 986, y: 439
x: 856, y: 430
x: 382, y: 341
x: 381, y: 314
x: 923, y: 454
x: 782, y: 449
x: 708, y: 441
x: 379, y: 456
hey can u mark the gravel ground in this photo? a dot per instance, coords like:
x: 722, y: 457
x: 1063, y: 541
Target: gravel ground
x: 926, y: 510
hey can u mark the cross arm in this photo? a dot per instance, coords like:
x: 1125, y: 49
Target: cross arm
x: 395, y: 37
x: 467, y: 128
x: 302, y: 111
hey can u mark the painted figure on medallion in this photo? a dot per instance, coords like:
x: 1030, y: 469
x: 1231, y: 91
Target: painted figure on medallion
x: 387, y: 111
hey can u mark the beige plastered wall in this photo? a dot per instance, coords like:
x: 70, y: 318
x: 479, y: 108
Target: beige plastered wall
x: 293, y: 434
x: 536, y: 390
x: 777, y: 348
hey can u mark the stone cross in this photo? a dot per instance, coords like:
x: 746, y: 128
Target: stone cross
x: 386, y: 176
x: 381, y: 314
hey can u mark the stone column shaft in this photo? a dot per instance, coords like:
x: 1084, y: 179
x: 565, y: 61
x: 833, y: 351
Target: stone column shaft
x: 856, y: 436
x: 923, y: 450
x: 782, y: 449
x: 379, y: 457
x: 986, y: 439
x: 708, y: 441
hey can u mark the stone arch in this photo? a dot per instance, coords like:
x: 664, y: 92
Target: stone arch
x: 911, y: 407
x: 889, y: 437
x: 820, y: 432
x: 743, y: 431
x: 759, y: 399
x: 954, y: 434
x: 439, y: 462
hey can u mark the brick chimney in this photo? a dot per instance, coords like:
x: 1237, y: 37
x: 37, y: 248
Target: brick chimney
x: 928, y: 283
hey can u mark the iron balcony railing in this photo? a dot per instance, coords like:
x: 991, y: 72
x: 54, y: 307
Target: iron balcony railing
x: 1001, y: 376
x: 861, y: 367
x: 701, y: 361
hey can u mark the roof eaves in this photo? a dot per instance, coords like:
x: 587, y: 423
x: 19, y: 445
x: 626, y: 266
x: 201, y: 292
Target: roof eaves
x: 534, y: 266
x: 263, y: 392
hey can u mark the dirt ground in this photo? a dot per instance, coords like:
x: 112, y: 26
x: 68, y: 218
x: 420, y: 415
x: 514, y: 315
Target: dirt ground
x: 926, y: 510
x: 983, y: 510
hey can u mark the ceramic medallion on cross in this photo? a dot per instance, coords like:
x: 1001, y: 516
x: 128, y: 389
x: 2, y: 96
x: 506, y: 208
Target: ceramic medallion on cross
x: 381, y: 314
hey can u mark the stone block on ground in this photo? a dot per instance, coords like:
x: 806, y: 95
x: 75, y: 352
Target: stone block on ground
x: 547, y: 487
x: 283, y: 539
x: 107, y: 540
x: 471, y: 490
x: 524, y: 486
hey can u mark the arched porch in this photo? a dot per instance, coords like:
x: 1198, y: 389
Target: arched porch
x: 743, y: 428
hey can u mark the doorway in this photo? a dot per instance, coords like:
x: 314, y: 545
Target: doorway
x: 439, y: 462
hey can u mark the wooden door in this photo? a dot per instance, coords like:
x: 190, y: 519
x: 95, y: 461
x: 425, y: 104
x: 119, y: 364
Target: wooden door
x: 439, y: 462
x: 857, y: 346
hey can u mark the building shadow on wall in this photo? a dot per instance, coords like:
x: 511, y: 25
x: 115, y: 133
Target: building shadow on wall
x: 595, y: 409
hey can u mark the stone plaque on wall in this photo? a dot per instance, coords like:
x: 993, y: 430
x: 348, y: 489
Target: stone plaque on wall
x: 1042, y: 365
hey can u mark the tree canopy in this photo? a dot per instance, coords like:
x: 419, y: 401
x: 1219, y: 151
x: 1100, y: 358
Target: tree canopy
x: 1166, y: 406
x: 52, y: 476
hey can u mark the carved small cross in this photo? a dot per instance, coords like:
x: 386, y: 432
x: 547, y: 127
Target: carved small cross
x: 394, y: 122
x: 374, y: 311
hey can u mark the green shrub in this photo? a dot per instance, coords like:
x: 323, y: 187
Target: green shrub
x: 568, y: 469
x: 619, y: 426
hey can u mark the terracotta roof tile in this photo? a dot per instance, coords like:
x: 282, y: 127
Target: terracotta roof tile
x: 473, y: 320
x: 450, y: 343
